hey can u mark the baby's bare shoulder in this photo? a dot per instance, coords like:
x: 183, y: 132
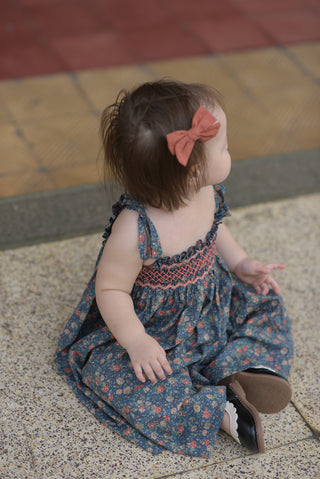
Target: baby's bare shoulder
x: 120, y: 262
x: 124, y: 237
x: 126, y: 225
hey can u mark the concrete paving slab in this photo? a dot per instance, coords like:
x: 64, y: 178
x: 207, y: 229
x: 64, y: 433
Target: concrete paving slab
x: 290, y: 462
x: 292, y: 232
x: 62, y: 213
x: 102, y: 86
x: 265, y: 70
x: 271, y: 97
x: 308, y: 55
x: 13, y: 146
x: 56, y: 435
x: 43, y: 97
x: 68, y: 140
x: 204, y: 69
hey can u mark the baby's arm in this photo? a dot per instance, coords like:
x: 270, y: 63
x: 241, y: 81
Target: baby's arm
x: 118, y: 269
x: 247, y: 269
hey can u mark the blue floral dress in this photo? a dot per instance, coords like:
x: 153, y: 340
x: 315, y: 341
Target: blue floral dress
x: 210, y: 324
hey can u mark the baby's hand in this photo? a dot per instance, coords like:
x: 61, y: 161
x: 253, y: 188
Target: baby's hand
x: 258, y: 275
x: 148, y: 359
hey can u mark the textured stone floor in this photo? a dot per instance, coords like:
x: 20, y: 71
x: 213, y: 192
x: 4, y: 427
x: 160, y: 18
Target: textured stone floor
x: 45, y: 432
x: 61, y: 63
x: 49, y: 124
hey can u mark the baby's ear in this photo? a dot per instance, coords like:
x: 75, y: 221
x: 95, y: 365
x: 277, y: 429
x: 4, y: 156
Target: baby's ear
x: 196, y: 172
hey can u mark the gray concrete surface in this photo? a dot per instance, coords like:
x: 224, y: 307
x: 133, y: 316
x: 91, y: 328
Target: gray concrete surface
x: 58, y: 214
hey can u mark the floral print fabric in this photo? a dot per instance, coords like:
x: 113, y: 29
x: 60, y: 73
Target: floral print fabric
x: 210, y: 324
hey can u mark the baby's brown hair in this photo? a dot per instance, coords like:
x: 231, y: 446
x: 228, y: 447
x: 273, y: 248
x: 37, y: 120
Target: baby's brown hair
x: 136, y: 151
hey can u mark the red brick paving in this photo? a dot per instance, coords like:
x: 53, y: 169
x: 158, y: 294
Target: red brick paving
x: 48, y: 36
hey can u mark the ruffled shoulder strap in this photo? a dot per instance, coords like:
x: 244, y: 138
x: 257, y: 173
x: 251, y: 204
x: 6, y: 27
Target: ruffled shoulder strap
x: 222, y: 209
x: 149, y: 242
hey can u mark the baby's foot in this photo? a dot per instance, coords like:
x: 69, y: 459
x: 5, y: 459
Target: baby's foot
x: 265, y: 389
x: 244, y: 423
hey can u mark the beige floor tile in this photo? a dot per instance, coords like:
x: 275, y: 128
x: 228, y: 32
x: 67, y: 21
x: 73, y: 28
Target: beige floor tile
x: 252, y: 131
x: 4, y: 113
x: 290, y: 462
x: 305, y: 379
x: 64, y: 141
x: 15, y: 444
x: 42, y: 97
x: 262, y: 71
x: 291, y: 229
x: 15, y: 154
x: 296, y: 112
x: 286, y: 114
x: 25, y: 182
x: 283, y: 121
x: 41, y: 285
x: 69, y: 176
x: 304, y: 310
x: 103, y: 86
x: 208, y: 70
x: 308, y: 54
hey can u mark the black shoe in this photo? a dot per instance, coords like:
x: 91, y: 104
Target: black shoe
x: 245, y: 423
x: 267, y: 390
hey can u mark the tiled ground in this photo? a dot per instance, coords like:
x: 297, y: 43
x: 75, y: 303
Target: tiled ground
x: 49, y: 36
x: 49, y: 124
x: 45, y: 432
x: 61, y: 62
x: 263, y: 56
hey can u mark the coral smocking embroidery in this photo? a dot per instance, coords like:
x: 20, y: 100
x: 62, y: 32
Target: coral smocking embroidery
x: 172, y: 276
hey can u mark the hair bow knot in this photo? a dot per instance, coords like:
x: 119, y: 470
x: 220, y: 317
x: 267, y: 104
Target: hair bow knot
x: 181, y: 142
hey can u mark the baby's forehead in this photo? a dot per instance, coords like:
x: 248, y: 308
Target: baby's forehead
x: 215, y: 109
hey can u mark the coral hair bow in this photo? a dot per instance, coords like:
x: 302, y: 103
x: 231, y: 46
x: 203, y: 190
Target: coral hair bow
x: 181, y: 142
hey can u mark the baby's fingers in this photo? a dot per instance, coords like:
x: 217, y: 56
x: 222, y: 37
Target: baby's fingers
x: 150, y: 371
x: 274, y: 285
x: 138, y: 372
x: 167, y: 368
x: 166, y: 365
x: 162, y: 358
x: 270, y: 266
x: 261, y: 288
x: 160, y: 367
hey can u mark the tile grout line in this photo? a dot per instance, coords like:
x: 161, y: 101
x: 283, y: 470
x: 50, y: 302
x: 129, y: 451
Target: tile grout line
x: 247, y: 92
x: 303, y: 69
x: 83, y: 94
x: 234, y: 459
x: 315, y: 433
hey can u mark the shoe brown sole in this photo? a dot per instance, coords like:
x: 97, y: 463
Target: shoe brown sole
x: 267, y: 393
x: 235, y: 386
